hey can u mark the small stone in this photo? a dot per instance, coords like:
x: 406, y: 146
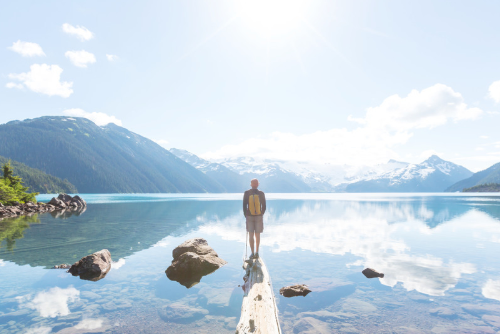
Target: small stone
x: 295, y: 290
x: 372, y: 273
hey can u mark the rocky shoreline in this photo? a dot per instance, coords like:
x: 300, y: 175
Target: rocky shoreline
x: 63, y: 203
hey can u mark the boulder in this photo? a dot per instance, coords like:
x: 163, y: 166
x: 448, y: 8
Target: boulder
x: 65, y: 198
x: 92, y: 267
x: 371, y: 273
x: 78, y: 201
x: 295, y: 290
x: 193, y: 259
x: 198, y: 245
x: 57, y: 202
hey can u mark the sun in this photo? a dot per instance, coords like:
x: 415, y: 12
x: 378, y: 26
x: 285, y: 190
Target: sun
x: 272, y: 17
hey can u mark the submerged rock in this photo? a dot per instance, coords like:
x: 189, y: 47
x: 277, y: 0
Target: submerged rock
x: 180, y: 313
x: 295, y: 290
x: 193, y: 259
x: 92, y: 267
x: 443, y: 312
x: 371, y: 273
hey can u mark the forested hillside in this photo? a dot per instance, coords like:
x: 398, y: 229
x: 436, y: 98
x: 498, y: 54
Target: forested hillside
x: 38, y: 181
x: 108, y: 159
x: 489, y: 175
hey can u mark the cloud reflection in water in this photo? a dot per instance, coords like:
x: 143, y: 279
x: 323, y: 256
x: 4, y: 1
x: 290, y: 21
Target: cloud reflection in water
x: 365, y: 229
x: 51, y: 303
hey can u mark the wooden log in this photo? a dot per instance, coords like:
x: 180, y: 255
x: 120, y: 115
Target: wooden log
x: 259, y: 313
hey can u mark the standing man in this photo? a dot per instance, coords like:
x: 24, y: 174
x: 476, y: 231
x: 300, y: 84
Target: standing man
x: 254, y: 207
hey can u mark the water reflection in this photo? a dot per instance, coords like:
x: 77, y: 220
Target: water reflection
x: 492, y: 289
x: 50, y: 303
x: 435, y: 252
x: 371, y: 232
x: 125, y: 229
x: 12, y: 229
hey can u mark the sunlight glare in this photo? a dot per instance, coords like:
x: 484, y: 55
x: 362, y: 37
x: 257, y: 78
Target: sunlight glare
x: 272, y: 17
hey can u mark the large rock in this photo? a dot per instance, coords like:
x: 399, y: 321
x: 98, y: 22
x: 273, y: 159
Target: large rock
x: 57, y: 202
x: 193, y: 259
x: 198, y: 245
x: 65, y: 198
x: 295, y: 290
x: 78, y: 201
x: 92, y: 267
x: 372, y: 273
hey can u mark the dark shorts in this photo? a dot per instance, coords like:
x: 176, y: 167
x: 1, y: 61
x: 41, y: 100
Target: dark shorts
x: 255, y: 224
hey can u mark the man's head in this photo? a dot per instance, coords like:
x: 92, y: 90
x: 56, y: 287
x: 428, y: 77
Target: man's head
x: 254, y: 183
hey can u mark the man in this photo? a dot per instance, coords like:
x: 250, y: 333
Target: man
x: 254, y: 207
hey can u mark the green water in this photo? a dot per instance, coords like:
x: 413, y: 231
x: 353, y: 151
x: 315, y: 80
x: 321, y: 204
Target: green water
x: 439, y: 254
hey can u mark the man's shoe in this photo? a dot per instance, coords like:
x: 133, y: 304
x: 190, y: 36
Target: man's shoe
x: 252, y: 256
x: 256, y: 255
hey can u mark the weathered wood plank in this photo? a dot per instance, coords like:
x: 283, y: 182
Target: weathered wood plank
x: 259, y: 313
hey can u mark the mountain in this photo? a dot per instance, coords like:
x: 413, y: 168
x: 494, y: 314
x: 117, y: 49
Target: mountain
x: 38, y: 181
x: 107, y: 159
x: 232, y: 181
x: 235, y: 174
x: 490, y: 175
x: 271, y: 175
x: 432, y: 175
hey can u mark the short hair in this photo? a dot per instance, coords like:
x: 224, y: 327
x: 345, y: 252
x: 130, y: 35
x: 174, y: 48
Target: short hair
x: 252, y: 180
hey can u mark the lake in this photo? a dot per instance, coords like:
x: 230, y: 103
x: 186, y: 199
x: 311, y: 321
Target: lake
x: 439, y: 254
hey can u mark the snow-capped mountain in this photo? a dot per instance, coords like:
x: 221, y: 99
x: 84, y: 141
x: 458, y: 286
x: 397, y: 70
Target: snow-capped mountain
x: 230, y: 180
x: 432, y: 175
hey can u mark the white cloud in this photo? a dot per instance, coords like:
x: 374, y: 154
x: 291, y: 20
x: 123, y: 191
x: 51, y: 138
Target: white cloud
x: 14, y: 85
x: 484, y: 137
x: 53, y: 302
x: 89, y: 324
x: 80, y: 58
x: 39, y: 330
x: 336, y: 146
x: 80, y: 32
x: 492, y: 289
x: 111, y: 57
x: 428, y: 108
x: 117, y: 265
x: 98, y: 118
x: 45, y: 79
x: 383, y: 128
x: 494, y: 91
x: 27, y: 49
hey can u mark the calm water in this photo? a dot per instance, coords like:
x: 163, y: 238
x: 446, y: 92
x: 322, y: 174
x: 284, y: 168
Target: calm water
x: 440, y: 256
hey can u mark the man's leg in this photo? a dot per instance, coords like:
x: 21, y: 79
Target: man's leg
x: 257, y: 241
x: 250, y: 241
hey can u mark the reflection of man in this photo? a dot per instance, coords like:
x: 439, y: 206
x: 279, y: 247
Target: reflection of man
x: 254, y: 207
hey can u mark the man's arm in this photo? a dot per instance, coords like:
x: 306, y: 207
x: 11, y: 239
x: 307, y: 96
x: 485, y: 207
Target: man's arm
x: 263, y: 203
x: 245, y: 203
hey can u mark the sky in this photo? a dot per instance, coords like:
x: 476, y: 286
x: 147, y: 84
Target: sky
x: 340, y: 82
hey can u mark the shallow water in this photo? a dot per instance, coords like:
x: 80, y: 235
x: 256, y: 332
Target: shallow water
x: 439, y: 254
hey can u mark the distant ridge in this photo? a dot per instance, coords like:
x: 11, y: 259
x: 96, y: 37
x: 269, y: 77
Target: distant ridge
x: 489, y: 175
x: 107, y: 159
